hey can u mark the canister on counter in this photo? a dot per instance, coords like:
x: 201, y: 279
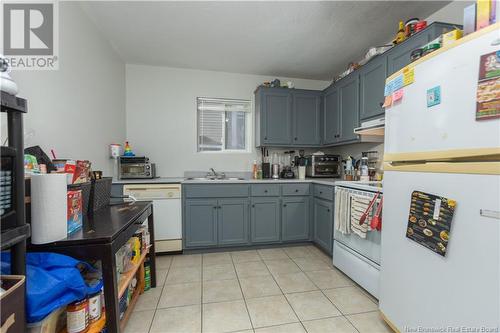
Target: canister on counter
x: 77, y: 316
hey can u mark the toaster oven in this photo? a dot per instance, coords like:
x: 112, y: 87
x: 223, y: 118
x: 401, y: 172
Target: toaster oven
x: 326, y: 166
x: 132, y: 167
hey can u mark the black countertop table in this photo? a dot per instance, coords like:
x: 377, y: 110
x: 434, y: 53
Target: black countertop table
x: 101, y: 236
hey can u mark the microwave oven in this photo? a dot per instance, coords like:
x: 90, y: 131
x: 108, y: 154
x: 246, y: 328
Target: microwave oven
x: 132, y: 167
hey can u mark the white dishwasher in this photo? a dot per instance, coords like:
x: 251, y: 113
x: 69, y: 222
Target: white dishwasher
x: 167, y: 212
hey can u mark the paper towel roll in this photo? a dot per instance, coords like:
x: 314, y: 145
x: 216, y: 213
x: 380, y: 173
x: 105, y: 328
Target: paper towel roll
x: 48, y: 208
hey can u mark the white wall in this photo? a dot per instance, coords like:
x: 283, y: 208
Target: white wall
x: 451, y: 13
x: 161, y: 115
x: 79, y: 109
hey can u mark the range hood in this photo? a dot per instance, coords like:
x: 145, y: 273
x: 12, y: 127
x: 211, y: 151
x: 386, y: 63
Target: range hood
x: 371, y: 130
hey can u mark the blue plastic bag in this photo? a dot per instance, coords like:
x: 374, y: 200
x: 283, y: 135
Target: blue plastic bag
x: 52, y: 281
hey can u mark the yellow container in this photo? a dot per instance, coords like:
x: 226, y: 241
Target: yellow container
x: 450, y: 37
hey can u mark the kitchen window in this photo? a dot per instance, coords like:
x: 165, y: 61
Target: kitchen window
x: 223, y: 125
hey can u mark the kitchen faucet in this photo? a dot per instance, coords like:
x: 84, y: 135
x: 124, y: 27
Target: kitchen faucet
x: 213, y: 174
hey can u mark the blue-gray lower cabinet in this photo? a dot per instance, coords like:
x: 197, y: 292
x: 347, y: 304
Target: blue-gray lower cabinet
x: 295, y: 218
x: 201, y: 223
x: 323, y: 224
x: 232, y: 221
x: 265, y: 220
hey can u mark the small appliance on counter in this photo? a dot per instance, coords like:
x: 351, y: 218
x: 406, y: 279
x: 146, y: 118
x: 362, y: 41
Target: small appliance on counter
x: 135, y: 167
x: 288, y: 164
x: 325, y: 166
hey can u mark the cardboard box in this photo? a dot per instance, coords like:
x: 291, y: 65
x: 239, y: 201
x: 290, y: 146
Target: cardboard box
x: 75, y: 214
x: 469, y: 19
x: 483, y: 11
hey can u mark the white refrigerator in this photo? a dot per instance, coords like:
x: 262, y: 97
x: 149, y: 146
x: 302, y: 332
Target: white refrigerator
x: 443, y: 150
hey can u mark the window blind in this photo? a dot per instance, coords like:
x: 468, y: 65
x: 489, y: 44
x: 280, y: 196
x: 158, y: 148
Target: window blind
x: 222, y: 124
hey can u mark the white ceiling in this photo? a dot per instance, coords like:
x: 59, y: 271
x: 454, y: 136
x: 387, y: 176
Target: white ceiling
x: 314, y: 40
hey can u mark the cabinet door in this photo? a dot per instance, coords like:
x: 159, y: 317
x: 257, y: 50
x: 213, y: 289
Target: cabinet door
x: 399, y: 56
x: 276, y: 117
x: 349, y: 107
x: 233, y: 221
x: 201, y: 223
x: 306, y: 118
x: 331, y: 115
x: 265, y: 220
x: 295, y: 219
x: 372, y: 82
x: 323, y: 224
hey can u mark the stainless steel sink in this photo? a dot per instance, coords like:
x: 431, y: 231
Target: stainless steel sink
x: 212, y: 178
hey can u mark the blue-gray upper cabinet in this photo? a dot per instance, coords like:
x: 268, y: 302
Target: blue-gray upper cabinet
x: 265, y: 220
x: 371, y: 88
x: 306, y: 117
x: 200, y: 223
x: 331, y: 115
x: 273, y: 116
x: 295, y: 218
x: 348, y: 90
x: 323, y: 224
x: 232, y: 221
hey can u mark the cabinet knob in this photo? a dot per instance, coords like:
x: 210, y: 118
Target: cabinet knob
x: 265, y: 191
x: 381, y: 104
x: 253, y: 206
x: 296, y: 190
x: 328, y: 210
x: 215, y: 207
x: 320, y: 192
x: 284, y: 205
x: 265, y: 138
x: 295, y: 138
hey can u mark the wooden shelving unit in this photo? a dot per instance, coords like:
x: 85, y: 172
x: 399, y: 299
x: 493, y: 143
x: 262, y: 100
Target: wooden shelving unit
x: 125, y: 281
x: 127, y: 277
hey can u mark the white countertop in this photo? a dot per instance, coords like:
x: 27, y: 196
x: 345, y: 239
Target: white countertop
x: 321, y: 181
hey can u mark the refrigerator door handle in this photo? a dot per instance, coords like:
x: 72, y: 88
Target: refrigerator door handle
x: 490, y: 213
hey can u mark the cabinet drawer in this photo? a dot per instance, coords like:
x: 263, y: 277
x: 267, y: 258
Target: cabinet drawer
x: 323, y: 192
x: 295, y: 189
x: 265, y: 190
x: 216, y: 191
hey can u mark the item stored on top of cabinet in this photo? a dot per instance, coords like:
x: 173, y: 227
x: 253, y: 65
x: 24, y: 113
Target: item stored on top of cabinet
x: 136, y: 167
x: 488, y: 87
x: 400, y: 35
x: 450, y: 37
x: 326, y: 166
x: 421, y: 25
x: 429, y: 221
x: 416, y: 54
x: 410, y: 26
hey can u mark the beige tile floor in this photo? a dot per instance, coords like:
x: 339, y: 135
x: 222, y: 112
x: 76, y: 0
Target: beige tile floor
x: 289, y: 289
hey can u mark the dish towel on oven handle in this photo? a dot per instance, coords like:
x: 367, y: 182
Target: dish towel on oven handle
x: 359, y: 205
x: 342, y: 210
